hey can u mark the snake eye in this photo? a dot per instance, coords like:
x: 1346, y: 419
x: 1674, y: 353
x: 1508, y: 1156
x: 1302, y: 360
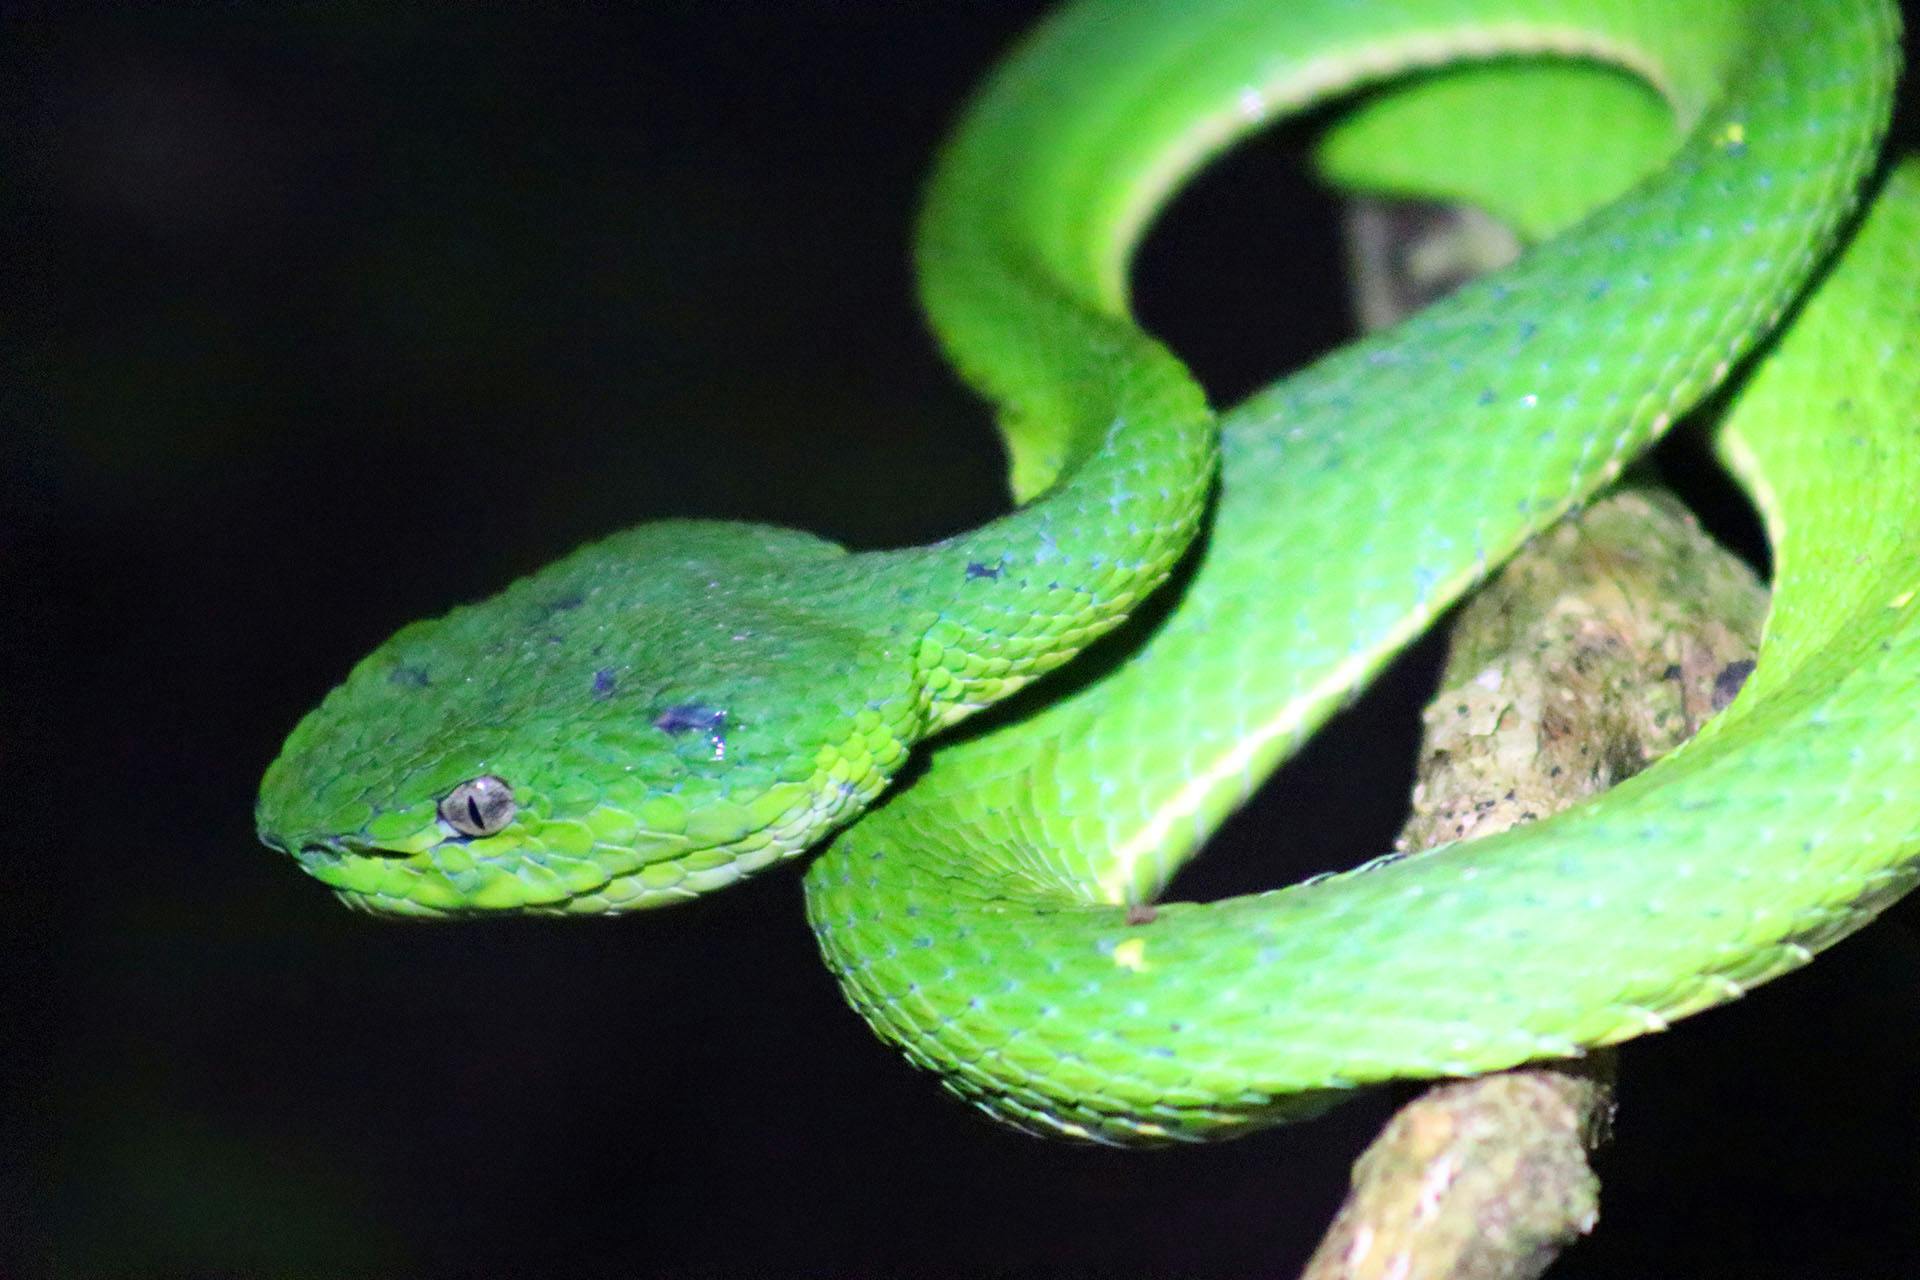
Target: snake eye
x: 479, y: 806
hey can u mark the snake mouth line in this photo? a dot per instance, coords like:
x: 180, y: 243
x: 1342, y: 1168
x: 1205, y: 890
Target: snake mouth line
x: 328, y: 852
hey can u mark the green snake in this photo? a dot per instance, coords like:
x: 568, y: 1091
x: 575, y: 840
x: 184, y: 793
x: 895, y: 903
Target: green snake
x: 674, y: 708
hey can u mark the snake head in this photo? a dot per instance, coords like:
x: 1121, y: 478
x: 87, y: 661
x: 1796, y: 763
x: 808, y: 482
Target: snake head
x: 656, y: 716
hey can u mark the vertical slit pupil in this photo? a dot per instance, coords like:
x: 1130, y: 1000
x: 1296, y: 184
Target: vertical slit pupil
x: 473, y: 811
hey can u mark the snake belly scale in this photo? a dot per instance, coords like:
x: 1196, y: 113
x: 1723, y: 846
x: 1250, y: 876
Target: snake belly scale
x: 678, y: 706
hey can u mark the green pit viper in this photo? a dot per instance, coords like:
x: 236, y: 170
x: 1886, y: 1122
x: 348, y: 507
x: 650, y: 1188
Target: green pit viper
x: 686, y: 703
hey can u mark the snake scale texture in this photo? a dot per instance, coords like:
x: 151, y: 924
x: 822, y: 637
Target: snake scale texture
x: 678, y: 706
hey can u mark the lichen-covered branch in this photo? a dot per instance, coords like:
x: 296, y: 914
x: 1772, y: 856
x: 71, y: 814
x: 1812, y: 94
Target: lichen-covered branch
x: 1481, y: 1178
x: 1605, y: 644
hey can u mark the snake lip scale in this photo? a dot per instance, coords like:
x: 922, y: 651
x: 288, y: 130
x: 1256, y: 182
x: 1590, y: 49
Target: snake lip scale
x: 684, y: 704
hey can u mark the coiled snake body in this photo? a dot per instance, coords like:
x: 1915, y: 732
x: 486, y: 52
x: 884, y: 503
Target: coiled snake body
x: 666, y: 711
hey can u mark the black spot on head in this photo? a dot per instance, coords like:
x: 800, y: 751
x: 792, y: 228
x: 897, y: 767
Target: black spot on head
x: 604, y: 683
x: 977, y: 570
x: 689, y: 716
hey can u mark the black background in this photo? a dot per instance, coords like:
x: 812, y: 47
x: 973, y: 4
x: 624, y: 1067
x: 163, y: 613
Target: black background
x: 327, y: 317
